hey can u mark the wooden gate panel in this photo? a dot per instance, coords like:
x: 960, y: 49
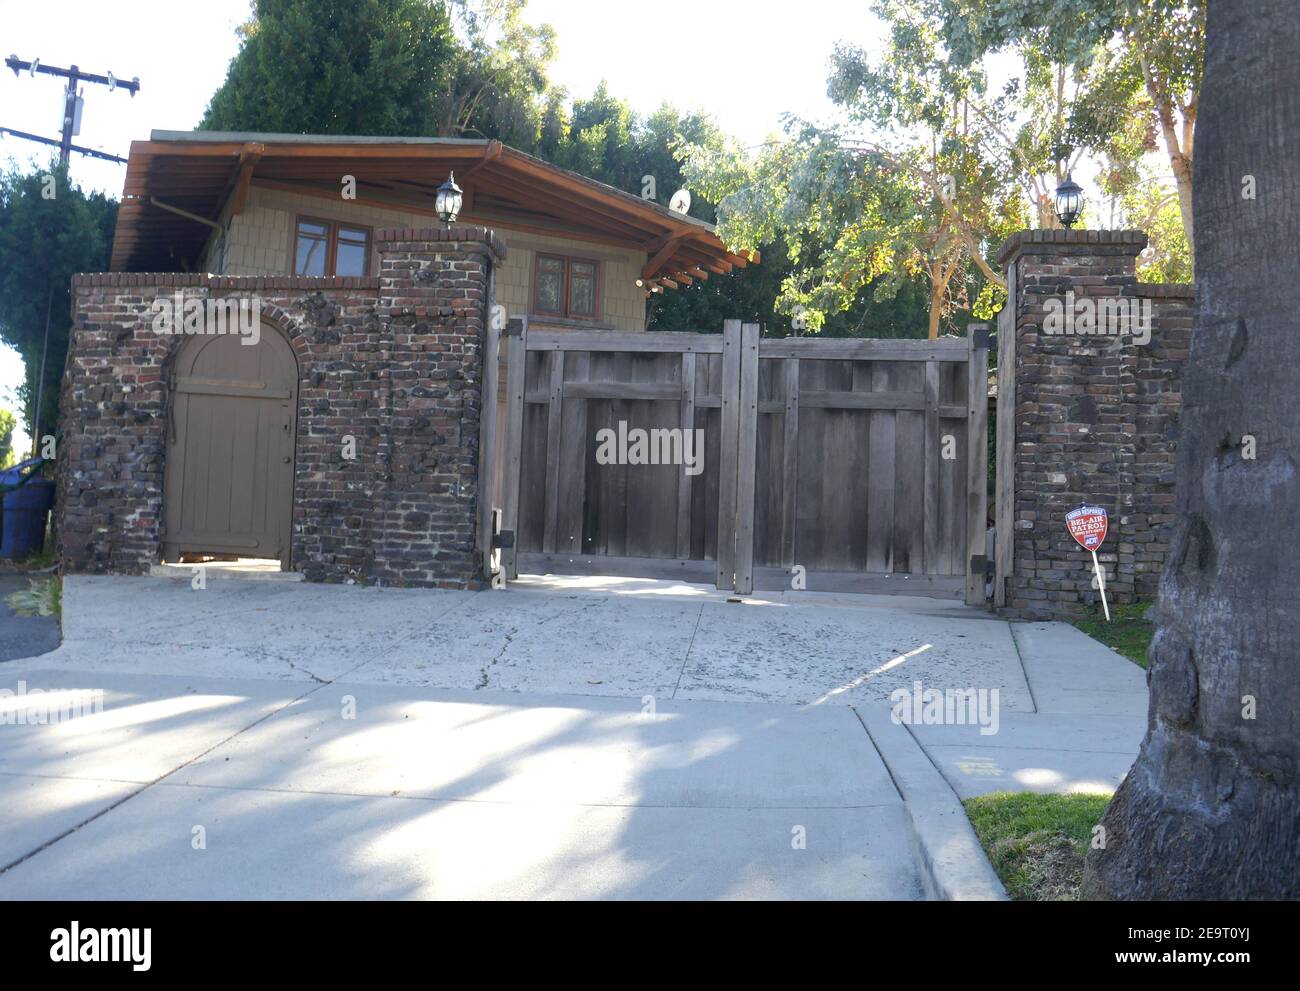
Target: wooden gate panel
x: 821, y: 453
x: 572, y: 520
x: 877, y: 378
x: 872, y: 494
x: 909, y: 487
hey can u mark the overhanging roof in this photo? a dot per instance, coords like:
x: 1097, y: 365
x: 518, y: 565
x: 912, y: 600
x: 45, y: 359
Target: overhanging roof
x: 198, y: 172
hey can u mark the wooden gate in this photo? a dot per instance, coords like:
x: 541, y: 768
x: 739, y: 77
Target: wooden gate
x: 228, y: 486
x: 838, y: 465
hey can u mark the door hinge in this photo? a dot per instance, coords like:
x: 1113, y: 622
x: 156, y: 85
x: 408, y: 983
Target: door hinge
x: 981, y: 565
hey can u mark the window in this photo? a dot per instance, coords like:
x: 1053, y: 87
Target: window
x: 566, y: 287
x: 326, y: 247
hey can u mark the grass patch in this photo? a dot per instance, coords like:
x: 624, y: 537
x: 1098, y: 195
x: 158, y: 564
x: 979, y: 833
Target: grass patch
x: 1036, y: 843
x: 1128, y: 632
x: 42, y: 597
x: 43, y: 559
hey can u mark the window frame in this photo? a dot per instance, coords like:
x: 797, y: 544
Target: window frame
x: 331, y: 245
x: 567, y: 289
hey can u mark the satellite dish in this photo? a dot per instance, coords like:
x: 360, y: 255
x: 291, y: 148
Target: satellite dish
x: 681, y: 201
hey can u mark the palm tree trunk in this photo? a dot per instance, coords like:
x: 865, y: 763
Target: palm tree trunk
x: 1211, y: 809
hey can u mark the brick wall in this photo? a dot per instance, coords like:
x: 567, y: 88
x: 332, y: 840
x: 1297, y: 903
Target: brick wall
x: 1095, y: 420
x: 394, y: 361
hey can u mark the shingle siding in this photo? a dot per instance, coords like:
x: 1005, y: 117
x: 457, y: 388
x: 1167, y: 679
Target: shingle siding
x: 257, y: 242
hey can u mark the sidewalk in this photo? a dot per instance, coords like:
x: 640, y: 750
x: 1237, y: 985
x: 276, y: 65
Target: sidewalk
x: 192, y: 788
x: 1089, y: 718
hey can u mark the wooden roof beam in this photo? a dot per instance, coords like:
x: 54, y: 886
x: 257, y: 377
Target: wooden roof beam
x: 656, y: 261
x: 492, y: 153
x: 249, y: 156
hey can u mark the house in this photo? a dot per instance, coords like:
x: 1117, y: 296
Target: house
x: 580, y: 254
x: 346, y: 444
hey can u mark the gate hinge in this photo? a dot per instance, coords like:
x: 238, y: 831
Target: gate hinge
x: 514, y: 328
x: 503, y: 539
x: 981, y: 565
x: 980, y: 335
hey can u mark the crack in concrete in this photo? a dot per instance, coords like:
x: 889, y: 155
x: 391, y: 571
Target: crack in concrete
x: 582, y: 609
x: 483, y: 672
x: 686, y: 659
x: 316, y: 678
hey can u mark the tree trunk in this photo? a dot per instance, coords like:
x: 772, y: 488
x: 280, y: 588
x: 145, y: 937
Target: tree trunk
x: 1183, y: 178
x: 938, y: 286
x: 1211, y: 809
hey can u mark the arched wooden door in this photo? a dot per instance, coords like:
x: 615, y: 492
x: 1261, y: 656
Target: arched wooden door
x: 230, y: 452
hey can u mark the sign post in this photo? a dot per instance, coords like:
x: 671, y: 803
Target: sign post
x: 1088, y: 525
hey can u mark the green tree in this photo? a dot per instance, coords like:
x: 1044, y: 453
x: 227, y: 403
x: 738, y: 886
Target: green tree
x: 1152, y: 206
x: 7, y: 426
x: 497, y: 85
x: 921, y: 203
x: 49, y: 230
x: 337, y: 67
x: 1145, y: 57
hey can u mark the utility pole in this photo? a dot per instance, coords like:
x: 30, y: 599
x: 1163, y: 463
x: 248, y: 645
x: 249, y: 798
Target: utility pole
x: 71, y: 105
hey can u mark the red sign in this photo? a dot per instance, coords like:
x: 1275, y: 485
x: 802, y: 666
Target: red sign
x: 1088, y: 526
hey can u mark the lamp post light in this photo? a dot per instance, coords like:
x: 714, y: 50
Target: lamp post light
x: 448, y: 201
x: 1069, y: 202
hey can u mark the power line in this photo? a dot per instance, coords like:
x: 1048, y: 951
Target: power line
x: 72, y: 104
x: 58, y: 144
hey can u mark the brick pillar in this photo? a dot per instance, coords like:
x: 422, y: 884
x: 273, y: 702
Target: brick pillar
x: 434, y: 287
x: 1068, y: 409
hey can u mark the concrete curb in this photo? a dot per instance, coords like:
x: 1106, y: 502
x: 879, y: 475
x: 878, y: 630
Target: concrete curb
x: 953, y: 864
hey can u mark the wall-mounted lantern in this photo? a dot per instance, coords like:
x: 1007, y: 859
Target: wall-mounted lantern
x: 448, y: 201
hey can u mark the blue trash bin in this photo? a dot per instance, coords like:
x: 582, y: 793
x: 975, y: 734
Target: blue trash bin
x: 27, y: 504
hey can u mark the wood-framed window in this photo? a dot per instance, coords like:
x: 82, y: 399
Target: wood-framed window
x: 566, y: 287
x: 330, y: 247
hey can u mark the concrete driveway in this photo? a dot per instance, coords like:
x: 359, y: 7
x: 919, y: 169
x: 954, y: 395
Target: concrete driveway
x: 564, y: 739
x: 614, y: 637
